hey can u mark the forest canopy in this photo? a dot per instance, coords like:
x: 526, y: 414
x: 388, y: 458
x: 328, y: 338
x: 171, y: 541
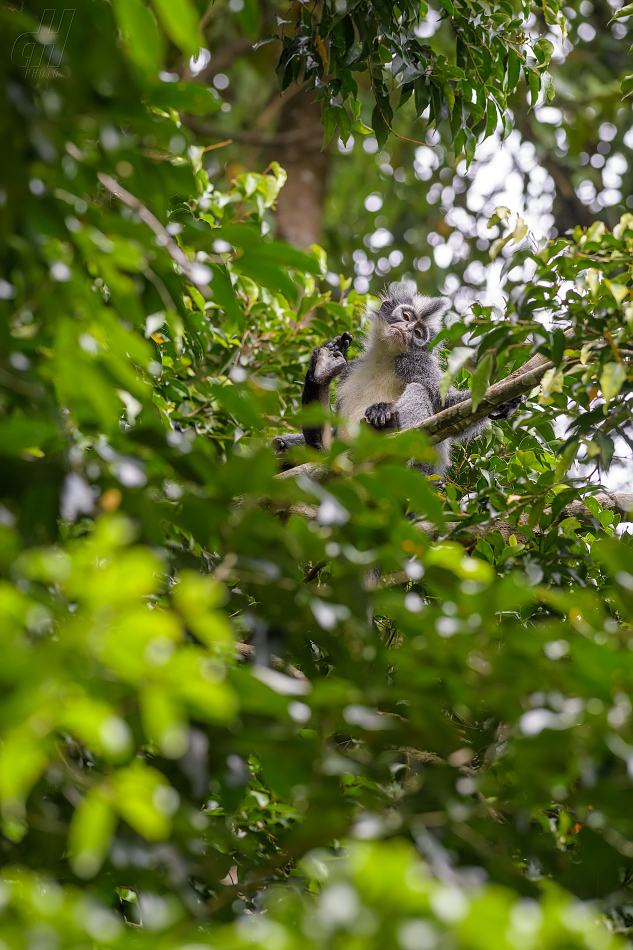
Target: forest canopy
x: 217, y: 727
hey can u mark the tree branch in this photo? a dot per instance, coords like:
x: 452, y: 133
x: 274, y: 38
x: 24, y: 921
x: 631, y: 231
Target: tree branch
x: 451, y: 422
x: 620, y: 503
x: 165, y: 239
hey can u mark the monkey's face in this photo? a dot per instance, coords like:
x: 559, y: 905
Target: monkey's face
x: 407, y: 321
x: 403, y: 327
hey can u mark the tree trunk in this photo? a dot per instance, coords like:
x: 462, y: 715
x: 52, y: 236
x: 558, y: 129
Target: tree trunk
x: 300, y: 202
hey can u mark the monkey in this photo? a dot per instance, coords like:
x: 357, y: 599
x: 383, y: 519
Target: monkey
x: 395, y: 383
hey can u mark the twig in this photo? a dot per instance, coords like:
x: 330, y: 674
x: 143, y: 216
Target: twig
x: 210, y: 148
x: 247, y: 650
x: 256, y: 139
x: 166, y: 240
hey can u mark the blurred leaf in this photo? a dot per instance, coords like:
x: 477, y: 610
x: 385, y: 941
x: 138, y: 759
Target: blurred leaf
x: 141, y: 34
x: 180, y: 21
x: 90, y: 834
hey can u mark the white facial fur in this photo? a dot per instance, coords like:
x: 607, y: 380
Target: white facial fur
x: 390, y: 336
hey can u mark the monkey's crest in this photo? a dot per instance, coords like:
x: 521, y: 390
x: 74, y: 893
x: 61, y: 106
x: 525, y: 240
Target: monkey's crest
x: 430, y: 310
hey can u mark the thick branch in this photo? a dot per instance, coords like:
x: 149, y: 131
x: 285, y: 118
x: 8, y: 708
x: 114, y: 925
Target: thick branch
x: 451, y: 422
x: 620, y: 503
x: 301, y: 200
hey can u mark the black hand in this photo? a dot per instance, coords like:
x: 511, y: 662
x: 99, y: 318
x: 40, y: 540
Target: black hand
x: 382, y: 415
x: 330, y: 359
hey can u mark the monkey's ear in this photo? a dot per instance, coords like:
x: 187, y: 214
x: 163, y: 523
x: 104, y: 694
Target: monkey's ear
x: 431, y: 309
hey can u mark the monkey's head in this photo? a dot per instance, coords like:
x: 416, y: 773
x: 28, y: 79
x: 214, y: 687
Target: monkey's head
x: 407, y: 320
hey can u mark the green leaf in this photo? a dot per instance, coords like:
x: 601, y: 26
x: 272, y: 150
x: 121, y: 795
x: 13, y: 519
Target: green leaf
x: 552, y: 382
x: 470, y: 146
x: 612, y: 379
x: 189, y: 97
x: 512, y: 550
x: 143, y: 797
x: 481, y: 379
x: 224, y: 293
x: 379, y: 125
x: 18, y: 434
x: 491, y: 118
x: 547, y: 84
x: 180, y: 21
x: 344, y: 125
x: 91, y: 831
x: 457, y: 359
x: 163, y: 721
x: 329, y: 119
x: 624, y: 11
x: 534, y: 84
x: 358, y: 126
x: 22, y: 760
x: 449, y: 95
x: 422, y: 93
x: 619, y: 291
x: 543, y: 49
x: 498, y: 246
x: 536, y: 512
x: 142, y: 37
x: 595, y: 231
x: 627, y: 86
x: 514, y: 69
x: 606, y: 447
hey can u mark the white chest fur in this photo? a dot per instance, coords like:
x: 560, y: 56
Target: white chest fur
x: 372, y: 380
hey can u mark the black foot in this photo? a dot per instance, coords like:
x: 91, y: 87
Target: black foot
x: 382, y: 415
x: 330, y: 359
x: 507, y: 409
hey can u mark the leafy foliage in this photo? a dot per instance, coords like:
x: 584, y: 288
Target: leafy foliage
x: 470, y: 87
x: 445, y: 758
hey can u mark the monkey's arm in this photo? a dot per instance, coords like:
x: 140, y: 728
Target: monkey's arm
x: 328, y: 361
